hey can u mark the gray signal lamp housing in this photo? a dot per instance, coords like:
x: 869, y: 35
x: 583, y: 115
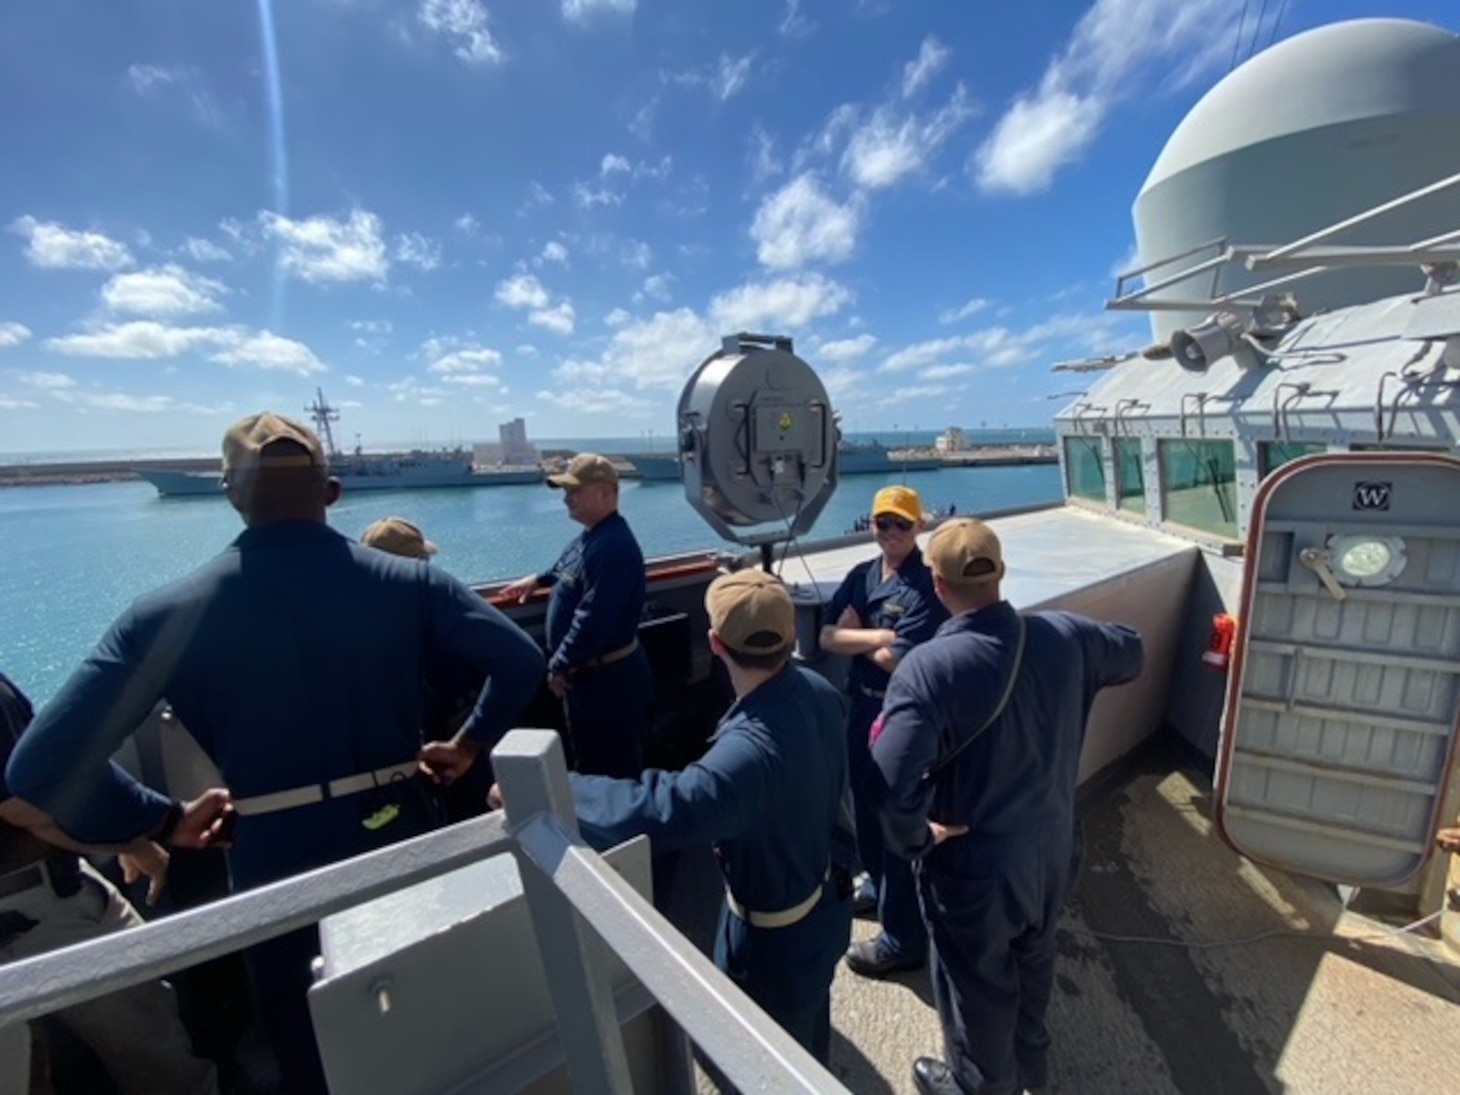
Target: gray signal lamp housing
x: 757, y: 441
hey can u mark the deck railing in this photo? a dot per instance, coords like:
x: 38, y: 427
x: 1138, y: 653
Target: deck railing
x: 572, y: 893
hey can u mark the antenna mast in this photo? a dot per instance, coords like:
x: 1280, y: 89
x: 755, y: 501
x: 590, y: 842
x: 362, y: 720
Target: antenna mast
x: 322, y: 414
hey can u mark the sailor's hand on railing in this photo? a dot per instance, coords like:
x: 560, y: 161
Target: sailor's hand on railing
x: 521, y: 589
x: 205, y: 821
x: 142, y: 858
x: 558, y: 684
x: 1448, y: 840
x: 447, y: 761
x: 494, y: 797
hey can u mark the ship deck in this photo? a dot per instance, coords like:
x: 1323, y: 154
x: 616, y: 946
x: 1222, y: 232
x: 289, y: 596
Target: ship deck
x: 1184, y: 967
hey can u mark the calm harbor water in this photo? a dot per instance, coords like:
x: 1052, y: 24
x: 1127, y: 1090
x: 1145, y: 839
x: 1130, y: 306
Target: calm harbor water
x: 75, y: 556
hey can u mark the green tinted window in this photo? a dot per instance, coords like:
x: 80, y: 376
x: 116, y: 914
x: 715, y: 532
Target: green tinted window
x: 1199, y: 484
x: 1084, y: 468
x: 1130, y: 475
x: 1272, y: 455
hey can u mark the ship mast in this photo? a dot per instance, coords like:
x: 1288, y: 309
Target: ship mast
x: 322, y: 415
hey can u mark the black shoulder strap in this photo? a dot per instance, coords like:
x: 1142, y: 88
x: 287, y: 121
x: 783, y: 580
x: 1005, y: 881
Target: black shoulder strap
x: 943, y: 762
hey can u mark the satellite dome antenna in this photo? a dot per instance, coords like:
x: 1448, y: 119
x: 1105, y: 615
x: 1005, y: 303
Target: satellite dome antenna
x: 758, y: 442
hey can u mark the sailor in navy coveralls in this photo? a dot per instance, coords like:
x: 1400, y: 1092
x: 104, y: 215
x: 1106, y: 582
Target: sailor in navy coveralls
x: 768, y: 794
x: 298, y: 660
x: 595, y: 662
x: 882, y: 609
x: 980, y: 740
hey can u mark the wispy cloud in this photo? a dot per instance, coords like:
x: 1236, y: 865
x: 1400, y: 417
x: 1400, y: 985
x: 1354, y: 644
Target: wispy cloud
x: 580, y: 11
x: 919, y: 72
x: 13, y: 334
x: 180, y: 83
x: 463, y: 23
x: 963, y: 311
x: 1120, y: 49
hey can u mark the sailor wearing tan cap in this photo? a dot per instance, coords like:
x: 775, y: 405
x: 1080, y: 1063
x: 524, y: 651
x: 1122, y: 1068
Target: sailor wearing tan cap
x: 595, y: 662
x: 399, y: 537
x: 989, y: 715
x: 882, y: 609
x: 768, y: 795
x: 298, y: 661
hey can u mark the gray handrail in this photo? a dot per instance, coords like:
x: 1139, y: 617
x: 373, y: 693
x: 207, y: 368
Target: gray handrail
x: 575, y: 898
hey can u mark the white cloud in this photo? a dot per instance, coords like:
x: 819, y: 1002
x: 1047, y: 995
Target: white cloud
x: 13, y: 334
x: 140, y: 339
x: 372, y: 334
x: 355, y: 381
x: 139, y: 404
x: 781, y: 304
x: 588, y: 196
x: 1001, y: 348
x: 888, y: 146
x: 657, y: 353
x: 162, y: 291
x: 553, y: 251
x: 763, y: 162
x: 795, y: 25
x: 11, y: 403
x: 54, y: 247
x: 731, y: 75
x: 963, y: 311
x: 947, y: 372
x: 579, y: 11
x: 847, y: 349
x: 559, y: 319
x: 148, y: 339
x: 180, y: 82
x: 522, y: 291
x: 636, y: 254
x: 466, y: 224
x: 417, y: 250
x: 1120, y: 49
x: 642, y: 123
x: 464, y: 24
x: 538, y: 197
x: 931, y: 58
x: 602, y: 401
x: 324, y: 249
x: 614, y: 164
x: 469, y: 359
x: 475, y: 380
x: 659, y: 286
x: 48, y: 381
x: 799, y: 224
x: 200, y: 250
x: 616, y: 318
x: 723, y: 80
x: 267, y: 350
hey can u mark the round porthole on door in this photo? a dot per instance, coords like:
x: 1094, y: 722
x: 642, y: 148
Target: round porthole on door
x: 1363, y: 559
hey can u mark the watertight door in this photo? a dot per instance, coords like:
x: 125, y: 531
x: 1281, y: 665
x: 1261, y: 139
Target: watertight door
x: 1342, y: 704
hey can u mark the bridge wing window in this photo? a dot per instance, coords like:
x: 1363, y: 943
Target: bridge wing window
x: 1085, y: 468
x: 1130, y: 475
x: 1272, y: 455
x: 1199, y: 484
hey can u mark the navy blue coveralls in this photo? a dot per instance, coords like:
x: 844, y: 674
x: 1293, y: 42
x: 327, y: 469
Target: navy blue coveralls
x: 592, y: 619
x: 993, y: 896
x: 768, y: 794
x: 904, y: 603
x: 294, y: 658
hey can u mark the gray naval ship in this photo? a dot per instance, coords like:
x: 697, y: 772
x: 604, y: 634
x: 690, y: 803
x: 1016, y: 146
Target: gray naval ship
x: 1268, y: 491
x: 419, y: 469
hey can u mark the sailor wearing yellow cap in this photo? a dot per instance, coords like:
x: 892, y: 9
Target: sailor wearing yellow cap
x: 884, y: 608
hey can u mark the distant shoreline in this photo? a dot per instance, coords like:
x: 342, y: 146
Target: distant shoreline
x: 82, y: 472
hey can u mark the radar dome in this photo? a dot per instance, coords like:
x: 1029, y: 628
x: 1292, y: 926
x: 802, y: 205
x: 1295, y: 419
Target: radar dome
x: 1316, y: 129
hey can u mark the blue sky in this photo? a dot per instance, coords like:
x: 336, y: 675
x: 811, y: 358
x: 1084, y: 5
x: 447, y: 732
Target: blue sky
x: 447, y: 213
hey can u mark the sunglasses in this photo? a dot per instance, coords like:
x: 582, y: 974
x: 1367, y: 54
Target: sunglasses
x: 887, y: 524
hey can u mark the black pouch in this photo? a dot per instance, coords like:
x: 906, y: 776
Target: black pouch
x: 13, y: 925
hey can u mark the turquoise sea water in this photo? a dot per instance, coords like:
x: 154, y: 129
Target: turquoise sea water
x: 75, y: 556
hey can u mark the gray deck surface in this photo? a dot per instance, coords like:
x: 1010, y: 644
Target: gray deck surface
x: 1343, y: 1007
